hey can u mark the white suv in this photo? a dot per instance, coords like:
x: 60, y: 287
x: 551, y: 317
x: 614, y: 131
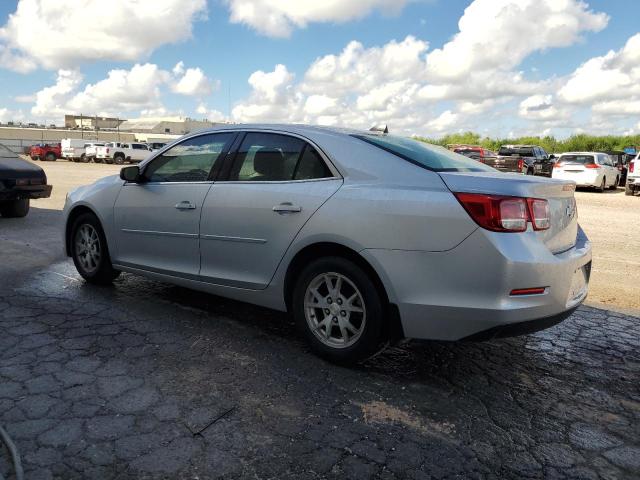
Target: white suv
x: 633, y: 176
x: 119, y: 153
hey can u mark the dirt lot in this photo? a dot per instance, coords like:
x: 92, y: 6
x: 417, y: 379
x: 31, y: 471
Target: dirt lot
x: 611, y: 221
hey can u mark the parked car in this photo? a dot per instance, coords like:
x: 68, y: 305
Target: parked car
x: 535, y: 161
x: 20, y: 181
x: 44, y: 151
x: 633, y: 176
x: 90, y: 151
x: 153, y: 146
x: 620, y: 160
x: 119, y: 153
x: 474, y: 151
x: 587, y: 169
x: 364, y: 237
x: 74, y: 149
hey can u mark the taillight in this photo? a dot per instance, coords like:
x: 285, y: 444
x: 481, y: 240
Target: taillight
x: 631, y: 165
x: 520, y: 164
x: 506, y: 214
x: 107, y: 150
x: 540, y: 215
x: 592, y: 165
x: 557, y: 165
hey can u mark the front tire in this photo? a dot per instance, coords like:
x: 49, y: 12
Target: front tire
x: 530, y: 171
x: 339, y: 310
x: 50, y: 157
x: 90, y: 252
x: 14, y: 208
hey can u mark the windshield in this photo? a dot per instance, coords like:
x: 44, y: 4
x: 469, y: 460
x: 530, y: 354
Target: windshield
x: 521, y: 151
x: 431, y: 157
x: 581, y: 159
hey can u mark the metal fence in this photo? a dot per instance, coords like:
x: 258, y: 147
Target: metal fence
x: 18, y: 145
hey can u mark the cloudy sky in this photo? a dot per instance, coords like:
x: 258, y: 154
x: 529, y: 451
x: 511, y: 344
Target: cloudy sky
x: 426, y: 67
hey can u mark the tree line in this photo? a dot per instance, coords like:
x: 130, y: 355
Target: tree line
x: 575, y: 143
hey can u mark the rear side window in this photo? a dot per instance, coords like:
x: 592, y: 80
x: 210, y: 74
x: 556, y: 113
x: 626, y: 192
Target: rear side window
x: 579, y: 159
x: 270, y: 157
x: 431, y: 157
x: 520, y: 151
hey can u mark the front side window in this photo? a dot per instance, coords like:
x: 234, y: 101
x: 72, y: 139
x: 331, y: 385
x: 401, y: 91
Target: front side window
x: 270, y: 157
x: 189, y: 161
x: 431, y: 157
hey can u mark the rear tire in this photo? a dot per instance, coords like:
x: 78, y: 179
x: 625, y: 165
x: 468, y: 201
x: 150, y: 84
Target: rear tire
x: 84, y: 158
x: 50, y: 157
x: 603, y: 185
x: 118, y: 159
x: 90, y: 252
x: 530, y: 171
x: 346, y: 326
x: 615, y: 185
x: 14, y: 208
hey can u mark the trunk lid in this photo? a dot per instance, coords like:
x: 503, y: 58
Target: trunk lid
x: 562, y: 233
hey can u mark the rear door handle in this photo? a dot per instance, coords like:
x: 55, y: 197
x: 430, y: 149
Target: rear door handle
x: 287, y: 207
x: 185, y: 205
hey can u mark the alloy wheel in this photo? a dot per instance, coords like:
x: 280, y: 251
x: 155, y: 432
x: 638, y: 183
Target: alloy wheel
x: 87, y: 247
x: 334, y: 309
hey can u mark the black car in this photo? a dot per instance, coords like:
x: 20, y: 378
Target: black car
x: 534, y: 159
x: 20, y: 181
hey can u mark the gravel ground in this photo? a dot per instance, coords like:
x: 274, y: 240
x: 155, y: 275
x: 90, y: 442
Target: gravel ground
x: 146, y: 380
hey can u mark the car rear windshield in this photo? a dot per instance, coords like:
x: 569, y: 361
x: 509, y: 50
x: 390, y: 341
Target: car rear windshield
x: 582, y: 159
x: 521, y: 151
x: 431, y: 157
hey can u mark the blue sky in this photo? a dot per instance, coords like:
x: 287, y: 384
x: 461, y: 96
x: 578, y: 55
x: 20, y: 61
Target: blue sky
x: 227, y: 51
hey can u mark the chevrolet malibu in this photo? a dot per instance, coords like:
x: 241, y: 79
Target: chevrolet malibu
x: 364, y: 237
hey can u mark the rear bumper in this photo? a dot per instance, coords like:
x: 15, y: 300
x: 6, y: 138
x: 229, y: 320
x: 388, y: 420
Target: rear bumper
x: 590, y: 178
x: 31, y: 191
x: 459, y: 293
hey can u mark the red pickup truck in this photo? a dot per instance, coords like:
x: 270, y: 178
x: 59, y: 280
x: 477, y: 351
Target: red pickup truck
x: 44, y: 151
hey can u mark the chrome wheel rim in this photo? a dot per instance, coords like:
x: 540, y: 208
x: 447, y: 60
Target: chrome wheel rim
x: 334, y: 309
x: 88, y: 251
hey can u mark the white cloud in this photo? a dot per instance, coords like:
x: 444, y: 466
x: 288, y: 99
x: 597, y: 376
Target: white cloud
x: 193, y: 82
x: 138, y: 89
x: 444, y: 121
x: 499, y: 34
x: 62, y: 34
x: 210, y: 114
x: 540, y: 107
x: 278, y: 18
x: 612, y: 76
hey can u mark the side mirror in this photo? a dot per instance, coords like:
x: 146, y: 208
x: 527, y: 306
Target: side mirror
x: 130, y: 174
x: 552, y: 156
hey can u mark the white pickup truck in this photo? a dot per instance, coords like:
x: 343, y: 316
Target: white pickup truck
x: 119, y: 153
x: 74, y: 149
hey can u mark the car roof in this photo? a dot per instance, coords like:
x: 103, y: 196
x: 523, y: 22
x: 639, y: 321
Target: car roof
x: 300, y: 129
x: 583, y: 153
x: 519, y: 146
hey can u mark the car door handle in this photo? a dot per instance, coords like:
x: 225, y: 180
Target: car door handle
x: 287, y: 207
x: 185, y: 205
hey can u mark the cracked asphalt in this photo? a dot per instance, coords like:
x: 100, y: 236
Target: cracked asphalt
x: 146, y: 380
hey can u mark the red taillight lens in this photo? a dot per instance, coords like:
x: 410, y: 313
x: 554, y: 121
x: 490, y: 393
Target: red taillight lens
x: 557, y: 164
x: 107, y: 150
x: 631, y: 165
x: 506, y: 214
x: 592, y: 165
x: 520, y: 164
x: 540, y: 214
x: 495, y: 213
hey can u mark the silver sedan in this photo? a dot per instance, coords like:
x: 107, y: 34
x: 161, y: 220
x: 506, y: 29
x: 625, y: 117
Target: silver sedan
x: 364, y: 237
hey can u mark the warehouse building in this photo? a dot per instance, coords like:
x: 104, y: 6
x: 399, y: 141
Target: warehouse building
x: 165, y: 125
x: 87, y: 122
